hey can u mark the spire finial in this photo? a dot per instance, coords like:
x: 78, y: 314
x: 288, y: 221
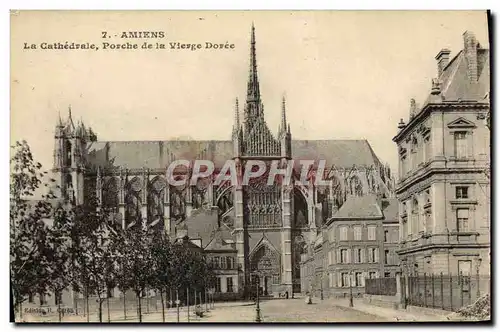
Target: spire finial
x: 236, y: 116
x: 283, y: 113
x: 59, y: 120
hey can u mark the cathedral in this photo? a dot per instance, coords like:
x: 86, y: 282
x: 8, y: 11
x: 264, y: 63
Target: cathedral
x: 265, y: 227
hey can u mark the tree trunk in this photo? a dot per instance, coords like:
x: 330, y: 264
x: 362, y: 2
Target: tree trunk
x: 156, y: 302
x: 206, y: 302
x: 88, y: 310
x: 162, y: 306
x: 76, y: 302
x: 124, y: 307
x: 20, y: 308
x: 59, y: 307
x: 147, y: 301
x: 139, y: 307
x: 187, y: 302
x: 100, y: 309
x: 109, y: 314
x: 177, y: 303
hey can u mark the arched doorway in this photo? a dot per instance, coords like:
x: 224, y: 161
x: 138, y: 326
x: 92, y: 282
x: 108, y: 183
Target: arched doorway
x: 265, y: 264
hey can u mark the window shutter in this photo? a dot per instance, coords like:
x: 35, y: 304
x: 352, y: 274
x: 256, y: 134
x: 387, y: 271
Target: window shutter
x: 362, y: 255
x: 339, y: 280
x: 339, y: 260
x: 348, y: 256
x: 376, y: 255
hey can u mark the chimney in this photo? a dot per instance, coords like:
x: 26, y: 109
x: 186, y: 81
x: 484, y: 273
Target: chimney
x: 443, y: 58
x: 470, y: 52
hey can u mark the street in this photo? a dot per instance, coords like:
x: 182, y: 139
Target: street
x: 276, y: 310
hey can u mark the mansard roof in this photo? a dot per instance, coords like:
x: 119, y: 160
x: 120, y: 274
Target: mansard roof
x: 158, y: 154
x: 455, y: 83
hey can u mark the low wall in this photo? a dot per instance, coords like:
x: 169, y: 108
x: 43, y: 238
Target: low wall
x: 427, y: 311
x: 387, y: 301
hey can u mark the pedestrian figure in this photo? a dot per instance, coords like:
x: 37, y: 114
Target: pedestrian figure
x: 286, y: 294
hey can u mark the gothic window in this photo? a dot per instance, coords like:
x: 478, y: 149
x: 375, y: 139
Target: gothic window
x: 68, y: 154
x: 110, y: 202
x: 225, y: 202
x: 300, y: 210
x: 133, y: 203
x: 110, y: 195
x: 199, y: 193
x: 178, y: 203
x: 355, y: 186
x: 155, y: 203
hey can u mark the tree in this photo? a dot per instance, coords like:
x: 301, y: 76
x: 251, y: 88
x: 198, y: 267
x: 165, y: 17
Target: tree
x: 60, y: 274
x: 122, y: 278
x: 161, y: 251
x: 28, y: 230
x: 137, y: 249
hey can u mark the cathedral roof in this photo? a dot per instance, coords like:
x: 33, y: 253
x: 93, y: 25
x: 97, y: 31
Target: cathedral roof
x: 158, y: 154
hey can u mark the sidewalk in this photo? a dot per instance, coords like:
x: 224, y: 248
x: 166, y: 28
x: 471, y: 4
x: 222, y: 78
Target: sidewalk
x: 386, y: 313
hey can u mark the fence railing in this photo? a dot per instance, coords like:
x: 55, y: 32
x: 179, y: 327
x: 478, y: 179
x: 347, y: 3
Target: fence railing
x: 381, y: 286
x: 446, y: 292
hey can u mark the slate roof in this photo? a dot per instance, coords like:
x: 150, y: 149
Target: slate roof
x: 202, y: 224
x: 158, y: 154
x: 218, y: 243
x: 368, y: 206
x: 390, y: 209
x: 455, y: 83
x: 359, y: 207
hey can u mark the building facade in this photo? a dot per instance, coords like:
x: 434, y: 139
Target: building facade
x: 444, y: 155
x: 359, y: 242
x: 266, y: 228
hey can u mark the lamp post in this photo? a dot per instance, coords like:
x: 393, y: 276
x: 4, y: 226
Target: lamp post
x: 351, y: 304
x: 258, y: 318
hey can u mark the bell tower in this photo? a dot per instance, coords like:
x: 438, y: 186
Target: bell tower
x: 69, y: 158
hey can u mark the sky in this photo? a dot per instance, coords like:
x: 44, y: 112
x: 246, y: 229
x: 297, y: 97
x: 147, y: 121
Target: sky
x: 345, y: 75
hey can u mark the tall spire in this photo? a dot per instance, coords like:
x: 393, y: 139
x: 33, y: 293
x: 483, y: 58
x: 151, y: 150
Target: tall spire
x: 253, y: 91
x: 236, y: 116
x: 283, y: 114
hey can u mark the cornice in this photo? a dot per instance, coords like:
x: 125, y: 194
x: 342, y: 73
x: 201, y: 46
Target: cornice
x: 444, y: 106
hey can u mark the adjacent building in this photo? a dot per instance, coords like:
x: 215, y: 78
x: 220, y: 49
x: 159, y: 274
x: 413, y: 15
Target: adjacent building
x: 444, y: 156
x: 359, y: 242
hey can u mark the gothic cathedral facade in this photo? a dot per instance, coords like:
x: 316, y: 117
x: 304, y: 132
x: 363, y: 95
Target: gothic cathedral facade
x: 268, y: 226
